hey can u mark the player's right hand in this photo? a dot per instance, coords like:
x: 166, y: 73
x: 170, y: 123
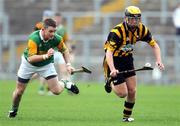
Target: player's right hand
x: 160, y: 65
x: 70, y: 69
x: 114, y: 73
x: 50, y: 52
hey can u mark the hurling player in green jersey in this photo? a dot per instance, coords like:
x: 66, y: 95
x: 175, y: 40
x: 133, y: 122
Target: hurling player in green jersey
x: 58, y: 58
x: 38, y: 58
x: 118, y: 57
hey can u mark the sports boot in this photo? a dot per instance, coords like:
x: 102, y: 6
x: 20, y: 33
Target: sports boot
x: 70, y: 86
x: 12, y: 113
x: 107, y: 86
x: 129, y: 119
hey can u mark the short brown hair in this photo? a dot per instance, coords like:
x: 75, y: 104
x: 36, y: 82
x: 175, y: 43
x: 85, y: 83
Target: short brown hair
x: 49, y: 22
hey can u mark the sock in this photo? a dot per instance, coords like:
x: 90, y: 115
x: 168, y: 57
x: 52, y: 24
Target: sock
x: 47, y: 88
x: 127, y: 109
x: 14, y: 108
x: 41, y: 88
x: 67, y: 83
x: 16, y: 102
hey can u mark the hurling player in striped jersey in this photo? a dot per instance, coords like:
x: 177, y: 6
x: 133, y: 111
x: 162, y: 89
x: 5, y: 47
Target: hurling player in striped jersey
x: 119, y: 57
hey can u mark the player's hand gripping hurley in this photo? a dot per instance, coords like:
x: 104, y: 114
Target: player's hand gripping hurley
x: 107, y: 86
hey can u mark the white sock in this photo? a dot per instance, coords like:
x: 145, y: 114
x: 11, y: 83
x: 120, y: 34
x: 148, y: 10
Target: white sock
x: 67, y: 83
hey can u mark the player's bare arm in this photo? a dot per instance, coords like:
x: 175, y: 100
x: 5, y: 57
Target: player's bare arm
x: 66, y: 56
x: 157, y: 53
x: 109, y: 58
x: 37, y: 58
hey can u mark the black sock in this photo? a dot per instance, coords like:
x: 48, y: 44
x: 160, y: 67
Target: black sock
x: 13, y: 108
x: 127, y: 109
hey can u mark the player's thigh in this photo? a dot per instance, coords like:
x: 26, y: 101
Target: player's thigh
x: 120, y: 89
x: 54, y: 85
x: 131, y: 83
x: 62, y: 67
x: 49, y: 73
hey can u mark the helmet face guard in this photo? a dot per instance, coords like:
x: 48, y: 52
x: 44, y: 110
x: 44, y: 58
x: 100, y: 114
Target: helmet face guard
x: 133, y: 22
x: 132, y: 16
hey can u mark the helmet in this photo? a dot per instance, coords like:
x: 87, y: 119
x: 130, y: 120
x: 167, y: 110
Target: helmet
x: 132, y: 16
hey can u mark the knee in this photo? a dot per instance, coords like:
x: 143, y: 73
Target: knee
x: 121, y: 94
x: 19, y: 92
x: 57, y: 92
x: 132, y: 92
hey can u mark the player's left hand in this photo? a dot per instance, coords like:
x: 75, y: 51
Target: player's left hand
x: 160, y: 65
x: 50, y: 52
x: 70, y: 69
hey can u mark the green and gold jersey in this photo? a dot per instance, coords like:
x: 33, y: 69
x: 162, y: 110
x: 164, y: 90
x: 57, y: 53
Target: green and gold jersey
x: 121, y: 41
x: 37, y: 46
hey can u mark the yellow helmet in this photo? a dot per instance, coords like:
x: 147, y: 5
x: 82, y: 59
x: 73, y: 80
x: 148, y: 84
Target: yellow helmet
x: 132, y: 12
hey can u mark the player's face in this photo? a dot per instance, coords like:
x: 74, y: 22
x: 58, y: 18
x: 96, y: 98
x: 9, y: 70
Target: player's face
x: 133, y: 22
x: 49, y: 33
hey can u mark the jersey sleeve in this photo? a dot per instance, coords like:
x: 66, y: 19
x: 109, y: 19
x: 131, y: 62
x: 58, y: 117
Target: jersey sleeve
x: 61, y: 46
x: 112, y: 40
x: 147, y: 37
x: 32, y: 48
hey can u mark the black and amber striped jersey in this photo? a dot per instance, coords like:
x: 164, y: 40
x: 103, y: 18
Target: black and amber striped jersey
x: 121, y: 40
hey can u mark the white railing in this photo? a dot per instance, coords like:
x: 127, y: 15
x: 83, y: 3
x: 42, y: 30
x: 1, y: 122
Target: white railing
x: 93, y: 60
x: 86, y: 41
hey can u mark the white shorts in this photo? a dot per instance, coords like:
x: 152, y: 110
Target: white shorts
x: 26, y: 70
x: 58, y: 58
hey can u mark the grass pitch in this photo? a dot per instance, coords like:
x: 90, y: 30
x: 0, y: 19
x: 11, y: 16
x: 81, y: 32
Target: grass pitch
x: 155, y: 106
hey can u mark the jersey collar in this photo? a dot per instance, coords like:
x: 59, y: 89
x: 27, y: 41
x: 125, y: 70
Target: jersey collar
x: 40, y: 34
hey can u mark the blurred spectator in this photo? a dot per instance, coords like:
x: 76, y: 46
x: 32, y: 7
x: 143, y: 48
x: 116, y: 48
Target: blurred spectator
x: 176, y: 19
x: 58, y: 58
